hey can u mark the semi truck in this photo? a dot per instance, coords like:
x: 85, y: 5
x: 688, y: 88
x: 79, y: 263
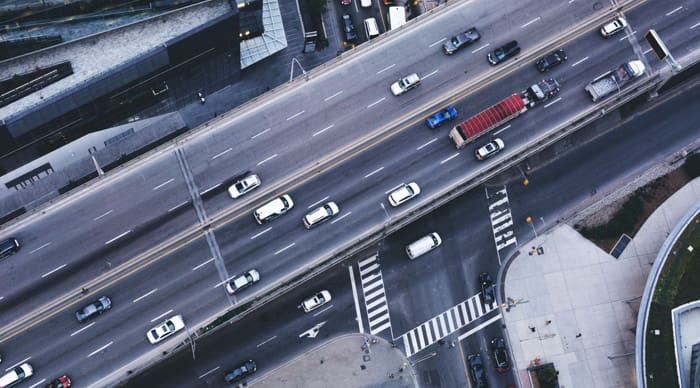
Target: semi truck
x: 502, y: 112
x: 614, y: 80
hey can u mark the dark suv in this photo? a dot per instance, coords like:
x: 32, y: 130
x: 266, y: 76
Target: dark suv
x: 349, y: 28
x: 500, y: 354
x: 486, y: 287
x: 461, y: 40
x: 476, y: 371
x: 242, y: 371
x: 504, y: 52
x: 550, y: 61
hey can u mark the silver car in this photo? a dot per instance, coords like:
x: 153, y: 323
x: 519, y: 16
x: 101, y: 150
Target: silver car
x: 244, y: 186
x: 245, y: 280
x: 403, y: 194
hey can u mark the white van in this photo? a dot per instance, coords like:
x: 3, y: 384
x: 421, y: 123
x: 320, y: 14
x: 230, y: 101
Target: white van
x: 397, y: 17
x: 423, y: 245
x: 321, y: 214
x: 365, y: 3
x: 16, y: 375
x: 371, y: 28
x: 273, y: 209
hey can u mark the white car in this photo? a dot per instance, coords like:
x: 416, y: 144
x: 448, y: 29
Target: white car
x: 405, y: 84
x: 243, y: 186
x: 316, y: 301
x: 321, y: 214
x: 245, y: 280
x: 165, y: 329
x: 489, y: 149
x: 403, y: 194
x: 613, y: 27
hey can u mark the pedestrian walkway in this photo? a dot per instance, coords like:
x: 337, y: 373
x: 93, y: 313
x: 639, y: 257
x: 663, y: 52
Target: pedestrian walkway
x: 374, y: 295
x: 445, y: 324
x: 501, y: 219
x: 342, y: 362
x: 577, y: 305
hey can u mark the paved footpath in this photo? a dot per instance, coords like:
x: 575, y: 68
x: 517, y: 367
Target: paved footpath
x: 578, y: 305
x: 342, y: 363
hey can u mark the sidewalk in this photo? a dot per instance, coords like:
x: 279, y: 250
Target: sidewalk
x: 342, y: 363
x: 578, y: 305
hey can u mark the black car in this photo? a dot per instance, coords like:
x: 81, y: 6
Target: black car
x: 93, y: 309
x: 476, y: 371
x: 504, y: 52
x: 500, y: 354
x: 461, y: 40
x: 487, y: 291
x: 350, y: 34
x: 552, y: 60
x: 242, y: 371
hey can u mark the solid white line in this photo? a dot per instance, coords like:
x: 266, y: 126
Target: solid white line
x: 358, y: 317
x: 386, y: 68
x: 694, y: 25
x: 394, y: 188
x: 579, y: 61
x: 531, y: 21
x: 210, y: 189
x: 374, y: 172
x: 163, y: 184
x: 323, y: 130
x: 264, y: 231
x: 502, y: 129
x: 53, y: 270
x: 295, y: 115
x: 198, y: 266
x: 144, y: 295
x: 78, y: 331
x: 100, y: 216
x: 268, y: 159
x: 38, y: 383
x: 647, y: 51
x: 450, y: 158
x: 177, y: 206
x: 429, y: 74
x: 425, y: 144
x: 285, y: 248
x: 18, y: 364
x: 480, y: 48
x: 376, y: 102
x: 474, y: 330
x: 324, y: 310
x: 266, y: 341
x: 553, y: 102
x: 625, y: 37
x: 335, y: 95
x: 100, y: 349
x: 254, y: 136
x: 341, y: 217
x: 210, y: 372
x: 438, y: 42
x: 317, y: 202
x: 224, y: 152
x: 118, y: 237
x: 674, y: 11
x: 41, y: 247
x: 161, y: 316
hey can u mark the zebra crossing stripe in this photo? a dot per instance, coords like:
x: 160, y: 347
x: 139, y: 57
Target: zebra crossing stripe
x: 407, y: 346
x: 463, y: 307
x: 428, y: 332
x: 470, y: 302
x: 451, y: 324
x: 458, y: 318
x: 374, y: 294
x: 421, y: 341
x: 413, y: 336
x: 375, y: 303
x: 369, y: 269
x: 436, y: 329
x: 377, y: 311
x: 479, y: 309
x: 442, y: 324
x: 380, y: 328
x: 367, y: 260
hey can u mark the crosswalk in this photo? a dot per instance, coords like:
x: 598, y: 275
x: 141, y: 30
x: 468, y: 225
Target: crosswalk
x: 501, y: 219
x: 374, y: 295
x: 444, y: 324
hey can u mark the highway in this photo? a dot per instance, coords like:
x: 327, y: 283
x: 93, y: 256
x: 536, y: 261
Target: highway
x: 77, y: 242
x: 416, y: 291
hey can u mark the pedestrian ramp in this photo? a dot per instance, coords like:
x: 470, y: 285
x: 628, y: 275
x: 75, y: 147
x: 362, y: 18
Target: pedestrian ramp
x: 445, y: 324
x: 375, y: 300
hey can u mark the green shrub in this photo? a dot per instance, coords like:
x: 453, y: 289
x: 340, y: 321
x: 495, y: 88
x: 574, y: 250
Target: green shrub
x: 692, y: 165
x: 623, y: 221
